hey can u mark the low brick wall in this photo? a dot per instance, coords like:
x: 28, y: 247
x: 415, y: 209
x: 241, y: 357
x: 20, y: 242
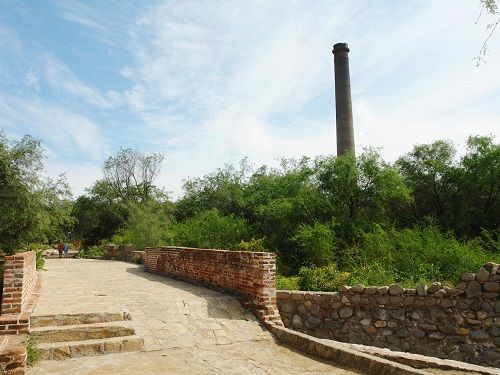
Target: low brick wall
x: 461, y: 323
x: 20, y: 289
x: 250, y: 275
x: 19, y: 281
x: 126, y: 253
x: 12, y: 355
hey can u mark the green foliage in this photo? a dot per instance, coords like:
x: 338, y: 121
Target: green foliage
x: 131, y: 174
x: 326, y: 279
x: 55, y: 219
x: 40, y: 259
x: 252, y: 245
x: 415, y: 255
x: 287, y: 283
x: 362, y: 192
x: 34, y: 208
x: 32, y: 351
x: 315, y: 244
x: 92, y: 252
x: 211, y: 229
x: 145, y: 227
x: 20, y: 169
x: 99, y: 214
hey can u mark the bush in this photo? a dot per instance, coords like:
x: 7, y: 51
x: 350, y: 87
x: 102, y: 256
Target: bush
x: 32, y: 352
x: 211, y: 229
x: 414, y: 256
x: 145, y: 227
x: 92, y: 252
x: 252, y: 245
x: 315, y: 244
x: 376, y: 274
x: 326, y: 279
x: 287, y: 282
x: 40, y: 259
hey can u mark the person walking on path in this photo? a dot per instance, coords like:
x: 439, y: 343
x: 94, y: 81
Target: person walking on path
x: 60, y: 248
x: 66, y: 248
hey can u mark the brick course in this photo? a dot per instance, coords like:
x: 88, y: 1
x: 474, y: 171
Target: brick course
x: 250, y: 275
x: 19, y: 281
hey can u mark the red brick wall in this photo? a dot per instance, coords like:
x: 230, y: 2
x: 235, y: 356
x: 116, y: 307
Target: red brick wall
x: 250, y: 275
x: 12, y: 355
x: 19, y: 280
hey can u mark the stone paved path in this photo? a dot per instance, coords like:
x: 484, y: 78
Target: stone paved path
x: 187, y: 329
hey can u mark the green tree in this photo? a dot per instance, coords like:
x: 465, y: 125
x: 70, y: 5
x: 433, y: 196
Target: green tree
x: 429, y: 171
x: 33, y: 208
x: 131, y: 174
x: 20, y: 168
x: 145, y: 226
x: 55, y: 219
x: 316, y: 244
x: 362, y: 192
x: 99, y: 214
x: 478, y: 187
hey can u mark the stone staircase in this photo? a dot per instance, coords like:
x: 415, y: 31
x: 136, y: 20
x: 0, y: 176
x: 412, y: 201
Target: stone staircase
x: 80, y: 335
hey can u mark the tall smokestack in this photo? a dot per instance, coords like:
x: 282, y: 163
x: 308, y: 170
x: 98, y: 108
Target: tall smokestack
x: 343, y: 104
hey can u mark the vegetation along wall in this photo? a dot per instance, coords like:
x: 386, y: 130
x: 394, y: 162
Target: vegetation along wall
x: 250, y: 275
x: 460, y: 323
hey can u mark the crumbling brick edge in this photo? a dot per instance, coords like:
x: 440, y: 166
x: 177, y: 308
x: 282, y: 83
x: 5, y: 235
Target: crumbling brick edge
x: 21, y: 290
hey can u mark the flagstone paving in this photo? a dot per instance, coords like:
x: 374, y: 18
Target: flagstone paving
x: 187, y: 329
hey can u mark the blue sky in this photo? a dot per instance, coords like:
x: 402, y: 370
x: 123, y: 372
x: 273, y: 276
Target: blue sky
x: 210, y: 82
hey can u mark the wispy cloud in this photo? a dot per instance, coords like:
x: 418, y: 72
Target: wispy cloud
x: 211, y: 82
x: 65, y: 133
x: 61, y: 78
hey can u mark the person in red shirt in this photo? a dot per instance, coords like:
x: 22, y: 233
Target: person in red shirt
x: 60, y: 248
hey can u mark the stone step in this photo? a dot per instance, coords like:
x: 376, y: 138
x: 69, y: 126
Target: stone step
x: 86, y: 348
x: 81, y: 332
x: 76, y: 319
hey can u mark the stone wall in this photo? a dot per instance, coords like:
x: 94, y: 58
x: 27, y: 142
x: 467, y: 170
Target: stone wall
x: 250, y: 275
x: 126, y: 253
x: 461, y: 323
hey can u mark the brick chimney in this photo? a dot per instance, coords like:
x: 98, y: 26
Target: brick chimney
x: 343, y: 104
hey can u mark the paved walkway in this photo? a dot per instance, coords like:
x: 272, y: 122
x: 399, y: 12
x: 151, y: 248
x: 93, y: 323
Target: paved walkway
x: 187, y: 329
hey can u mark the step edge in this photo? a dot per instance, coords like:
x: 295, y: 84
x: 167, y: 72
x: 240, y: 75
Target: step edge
x: 113, y: 324
x: 53, y: 345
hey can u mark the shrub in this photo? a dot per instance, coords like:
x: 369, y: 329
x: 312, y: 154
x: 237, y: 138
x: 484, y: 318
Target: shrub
x: 315, y: 244
x: 145, y: 227
x: 326, y: 279
x: 252, y: 245
x: 40, y: 259
x: 92, y: 252
x: 287, y: 282
x: 211, y: 229
x: 32, y: 352
x: 415, y: 255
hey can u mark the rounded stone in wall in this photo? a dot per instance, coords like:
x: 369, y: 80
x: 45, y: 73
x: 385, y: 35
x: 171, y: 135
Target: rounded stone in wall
x: 345, y: 312
x: 482, y: 275
x: 297, y: 322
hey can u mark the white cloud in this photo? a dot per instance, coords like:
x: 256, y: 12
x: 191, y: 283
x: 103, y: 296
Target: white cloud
x: 216, y: 88
x: 211, y: 82
x: 61, y: 78
x: 31, y: 78
x: 65, y: 133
